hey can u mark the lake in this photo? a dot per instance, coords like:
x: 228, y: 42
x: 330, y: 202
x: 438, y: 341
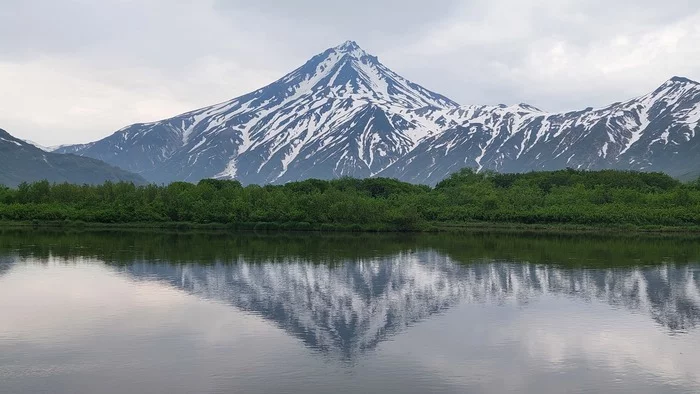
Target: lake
x: 167, y: 312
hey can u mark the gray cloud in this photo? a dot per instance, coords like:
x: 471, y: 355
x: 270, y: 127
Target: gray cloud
x: 76, y: 70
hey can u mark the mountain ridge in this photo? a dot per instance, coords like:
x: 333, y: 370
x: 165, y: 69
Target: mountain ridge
x: 343, y: 113
x: 22, y: 161
x: 612, y: 130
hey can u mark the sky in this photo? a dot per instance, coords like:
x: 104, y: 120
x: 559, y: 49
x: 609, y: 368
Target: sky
x: 74, y: 71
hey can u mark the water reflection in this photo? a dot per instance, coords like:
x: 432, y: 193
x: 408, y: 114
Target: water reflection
x: 5, y: 264
x: 442, y: 314
x: 350, y: 307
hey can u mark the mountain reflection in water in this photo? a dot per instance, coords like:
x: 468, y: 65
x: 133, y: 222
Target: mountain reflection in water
x: 350, y: 307
x: 345, y: 295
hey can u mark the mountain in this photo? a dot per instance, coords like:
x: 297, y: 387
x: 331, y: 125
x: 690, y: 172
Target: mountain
x: 343, y: 113
x: 23, y: 162
x: 659, y: 131
x: 42, y: 147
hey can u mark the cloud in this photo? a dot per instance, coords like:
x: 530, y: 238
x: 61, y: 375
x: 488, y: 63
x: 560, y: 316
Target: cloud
x: 76, y: 70
x: 560, y: 55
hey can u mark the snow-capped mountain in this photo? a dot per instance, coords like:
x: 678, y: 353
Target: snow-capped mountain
x: 659, y: 131
x: 343, y: 113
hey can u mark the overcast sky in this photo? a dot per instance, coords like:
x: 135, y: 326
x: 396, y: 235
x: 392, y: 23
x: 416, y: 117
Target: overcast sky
x: 77, y: 70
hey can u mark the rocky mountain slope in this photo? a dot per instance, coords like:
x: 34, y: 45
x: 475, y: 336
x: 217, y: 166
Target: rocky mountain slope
x: 344, y: 113
x: 655, y: 132
x: 23, y: 162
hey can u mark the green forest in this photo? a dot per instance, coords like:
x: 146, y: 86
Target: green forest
x: 607, y: 198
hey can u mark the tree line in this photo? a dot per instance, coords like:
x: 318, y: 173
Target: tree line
x: 595, y: 198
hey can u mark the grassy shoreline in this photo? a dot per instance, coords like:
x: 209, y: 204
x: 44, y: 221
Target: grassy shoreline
x: 435, y: 227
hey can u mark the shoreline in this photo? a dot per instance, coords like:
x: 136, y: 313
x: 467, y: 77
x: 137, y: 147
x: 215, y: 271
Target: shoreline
x: 427, y: 228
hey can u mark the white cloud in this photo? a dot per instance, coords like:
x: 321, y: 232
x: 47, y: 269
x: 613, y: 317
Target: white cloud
x: 57, y: 100
x: 558, y: 55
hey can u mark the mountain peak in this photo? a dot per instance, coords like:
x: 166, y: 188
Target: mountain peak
x: 678, y: 84
x: 684, y: 80
x: 348, y: 46
x: 344, y: 113
x: 351, y: 48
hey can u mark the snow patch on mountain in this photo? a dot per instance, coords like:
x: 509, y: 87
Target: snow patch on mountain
x: 343, y: 113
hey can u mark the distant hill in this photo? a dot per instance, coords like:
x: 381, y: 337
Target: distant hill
x: 23, y: 162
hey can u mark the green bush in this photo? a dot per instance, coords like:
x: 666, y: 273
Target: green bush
x: 565, y: 197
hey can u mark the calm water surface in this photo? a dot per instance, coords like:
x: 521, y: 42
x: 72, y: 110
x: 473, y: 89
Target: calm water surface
x: 214, y: 313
